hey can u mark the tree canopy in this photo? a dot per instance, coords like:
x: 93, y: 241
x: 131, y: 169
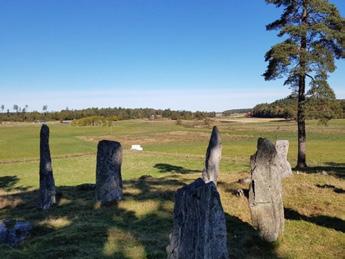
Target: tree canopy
x: 313, y: 34
x: 316, y: 24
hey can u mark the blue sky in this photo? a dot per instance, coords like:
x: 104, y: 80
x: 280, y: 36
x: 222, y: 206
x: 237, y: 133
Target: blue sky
x: 179, y: 54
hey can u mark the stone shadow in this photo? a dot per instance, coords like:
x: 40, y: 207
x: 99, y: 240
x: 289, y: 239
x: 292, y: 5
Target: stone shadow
x: 332, y: 187
x: 331, y: 168
x: 321, y: 220
x: 245, y: 242
x: 168, y: 168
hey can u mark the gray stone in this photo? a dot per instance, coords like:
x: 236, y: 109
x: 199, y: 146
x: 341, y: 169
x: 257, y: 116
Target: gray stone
x: 108, y: 172
x: 199, y: 229
x: 265, y: 192
x: 47, y: 184
x: 14, y: 232
x: 282, y: 147
x: 213, y: 156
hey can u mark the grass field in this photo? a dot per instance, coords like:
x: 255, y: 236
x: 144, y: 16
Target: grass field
x: 138, y: 227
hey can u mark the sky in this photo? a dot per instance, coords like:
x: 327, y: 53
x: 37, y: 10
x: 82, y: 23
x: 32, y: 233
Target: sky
x: 177, y: 54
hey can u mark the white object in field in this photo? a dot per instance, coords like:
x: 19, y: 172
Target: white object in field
x: 137, y: 148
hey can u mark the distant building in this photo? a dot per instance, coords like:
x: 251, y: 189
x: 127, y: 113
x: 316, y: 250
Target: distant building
x: 137, y: 148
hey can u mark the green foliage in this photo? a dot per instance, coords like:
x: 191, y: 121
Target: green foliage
x: 319, y: 23
x: 322, y: 109
x: 284, y: 108
x: 119, y: 113
x: 314, y: 37
x: 234, y: 111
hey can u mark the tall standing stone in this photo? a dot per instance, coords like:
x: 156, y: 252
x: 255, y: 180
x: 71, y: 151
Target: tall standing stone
x: 47, y: 184
x: 282, y: 147
x: 199, y: 229
x: 108, y: 172
x: 213, y: 156
x: 265, y: 193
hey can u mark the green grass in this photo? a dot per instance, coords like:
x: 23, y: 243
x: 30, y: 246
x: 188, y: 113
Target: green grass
x: 138, y: 227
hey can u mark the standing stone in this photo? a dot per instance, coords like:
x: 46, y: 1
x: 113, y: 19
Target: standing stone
x: 265, y: 192
x: 282, y: 147
x: 47, y: 184
x: 199, y: 230
x: 108, y: 172
x: 213, y: 156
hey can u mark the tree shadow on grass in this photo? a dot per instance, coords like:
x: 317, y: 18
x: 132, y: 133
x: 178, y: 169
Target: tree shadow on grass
x: 137, y: 227
x: 335, y: 164
x: 8, y: 183
x: 168, y: 168
x: 331, y: 168
x: 321, y: 220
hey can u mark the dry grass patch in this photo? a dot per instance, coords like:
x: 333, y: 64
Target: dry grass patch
x: 55, y: 223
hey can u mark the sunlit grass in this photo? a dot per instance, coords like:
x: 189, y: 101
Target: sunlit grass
x: 139, y: 226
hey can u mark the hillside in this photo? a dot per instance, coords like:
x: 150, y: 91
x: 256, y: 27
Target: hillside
x: 287, y: 108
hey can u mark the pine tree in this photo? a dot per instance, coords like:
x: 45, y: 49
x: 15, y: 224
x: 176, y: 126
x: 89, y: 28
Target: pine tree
x: 314, y: 36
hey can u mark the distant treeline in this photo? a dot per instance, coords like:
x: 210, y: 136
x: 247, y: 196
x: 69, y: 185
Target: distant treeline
x: 113, y: 113
x: 287, y: 108
x: 234, y: 111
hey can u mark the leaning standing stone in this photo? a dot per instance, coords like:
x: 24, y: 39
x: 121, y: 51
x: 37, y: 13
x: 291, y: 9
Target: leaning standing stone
x: 108, y: 172
x: 199, y: 229
x: 265, y: 193
x: 282, y: 147
x: 47, y: 184
x: 213, y: 156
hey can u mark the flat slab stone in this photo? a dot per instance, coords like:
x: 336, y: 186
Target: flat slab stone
x: 108, y: 172
x: 213, y: 157
x: 282, y: 147
x: 265, y: 192
x: 47, y: 183
x: 199, y: 229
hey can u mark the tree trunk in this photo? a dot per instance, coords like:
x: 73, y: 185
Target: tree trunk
x: 301, y: 157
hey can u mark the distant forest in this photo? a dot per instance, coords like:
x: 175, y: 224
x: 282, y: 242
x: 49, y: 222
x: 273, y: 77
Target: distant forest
x: 234, y: 111
x: 287, y: 108
x: 112, y: 114
x: 284, y: 108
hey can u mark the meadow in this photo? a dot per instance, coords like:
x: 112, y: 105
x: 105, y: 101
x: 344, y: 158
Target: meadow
x: 139, y: 226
